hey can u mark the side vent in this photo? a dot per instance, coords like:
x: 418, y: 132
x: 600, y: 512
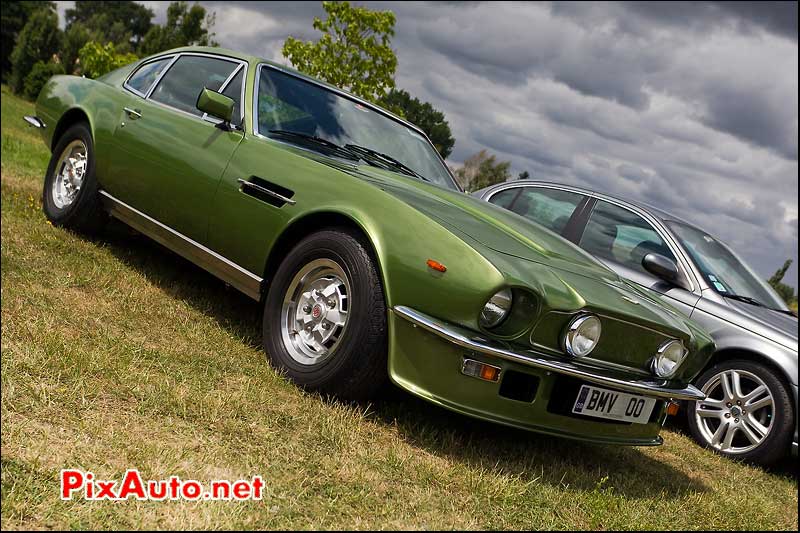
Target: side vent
x: 266, y: 191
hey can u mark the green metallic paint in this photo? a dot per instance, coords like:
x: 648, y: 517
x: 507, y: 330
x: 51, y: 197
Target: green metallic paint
x: 184, y: 172
x: 215, y: 104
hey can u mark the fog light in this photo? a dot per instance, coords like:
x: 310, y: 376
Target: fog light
x: 583, y: 334
x: 479, y: 370
x: 496, y: 309
x: 668, y: 357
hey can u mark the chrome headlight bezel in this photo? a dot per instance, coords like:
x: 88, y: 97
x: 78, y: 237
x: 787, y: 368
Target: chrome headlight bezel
x: 496, y: 309
x: 664, y: 353
x: 578, y: 324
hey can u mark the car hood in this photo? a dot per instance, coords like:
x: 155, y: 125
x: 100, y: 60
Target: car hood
x: 494, y: 227
x: 774, y: 325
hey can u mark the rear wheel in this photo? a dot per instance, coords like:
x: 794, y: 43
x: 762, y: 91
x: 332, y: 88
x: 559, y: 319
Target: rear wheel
x: 325, y: 317
x: 747, y: 413
x: 70, y: 197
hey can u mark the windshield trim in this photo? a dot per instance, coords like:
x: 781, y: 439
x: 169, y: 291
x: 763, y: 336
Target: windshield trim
x: 777, y: 300
x: 348, y: 96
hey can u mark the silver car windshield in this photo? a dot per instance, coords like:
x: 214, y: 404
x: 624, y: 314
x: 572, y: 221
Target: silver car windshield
x: 723, y: 270
x: 290, y: 105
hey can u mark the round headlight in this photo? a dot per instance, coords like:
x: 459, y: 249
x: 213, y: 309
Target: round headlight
x: 582, y: 335
x: 668, y: 357
x: 496, y: 309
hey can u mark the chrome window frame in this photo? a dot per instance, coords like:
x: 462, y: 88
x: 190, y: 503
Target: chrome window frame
x: 127, y: 87
x: 344, y: 94
x: 684, y: 263
x: 241, y: 64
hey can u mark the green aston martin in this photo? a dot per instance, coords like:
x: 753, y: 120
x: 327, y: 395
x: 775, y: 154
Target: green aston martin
x: 369, y: 261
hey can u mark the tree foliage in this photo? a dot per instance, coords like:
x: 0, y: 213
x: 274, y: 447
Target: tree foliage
x: 482, y: 170
x: 13, y: 17
x: 424, y: 115
x: 39, y: 40
x: 124, y: 23
x: 97, y: 59
x: 353, y: 52
x: 38, y: 76
x: 524, y: 175
x: 785, y: 291
x: 185, y: 26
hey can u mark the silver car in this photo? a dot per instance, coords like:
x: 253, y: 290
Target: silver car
x: 751, y: 382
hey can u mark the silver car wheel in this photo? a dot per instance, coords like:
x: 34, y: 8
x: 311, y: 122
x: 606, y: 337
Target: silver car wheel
x: 314, y: 312
x: 70, y: 172
x: 738, y: 412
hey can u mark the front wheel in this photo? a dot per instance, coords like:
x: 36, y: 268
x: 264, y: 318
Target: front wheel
x: 747, y: 413
x: 325, y: 317
x: 70, y: 197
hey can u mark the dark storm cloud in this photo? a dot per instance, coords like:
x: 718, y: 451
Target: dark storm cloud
x: 691, y: 107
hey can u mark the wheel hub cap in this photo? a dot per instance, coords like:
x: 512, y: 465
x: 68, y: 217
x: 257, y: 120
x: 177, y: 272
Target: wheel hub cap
x: 315, y: 310
x: 738, y: 412
x: 70, y: 171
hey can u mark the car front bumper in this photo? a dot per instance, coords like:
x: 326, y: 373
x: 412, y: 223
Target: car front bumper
x: 427, y: 355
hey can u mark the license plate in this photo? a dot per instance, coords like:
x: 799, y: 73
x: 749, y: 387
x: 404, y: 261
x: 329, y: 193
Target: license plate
x: 613, y: 405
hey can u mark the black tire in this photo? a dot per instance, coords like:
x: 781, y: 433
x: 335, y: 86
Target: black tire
x: 776, y: 444
x: 356, y: 368
x: 85, y: 214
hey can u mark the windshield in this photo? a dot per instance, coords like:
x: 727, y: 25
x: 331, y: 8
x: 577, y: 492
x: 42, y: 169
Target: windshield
x: 287, y: 103
x: 723, y: 270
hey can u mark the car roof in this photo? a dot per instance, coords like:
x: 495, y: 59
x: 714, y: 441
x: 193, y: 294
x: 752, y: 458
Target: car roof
x: 652, y: 210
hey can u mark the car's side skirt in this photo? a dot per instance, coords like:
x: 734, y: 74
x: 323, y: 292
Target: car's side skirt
x: 223, y: 268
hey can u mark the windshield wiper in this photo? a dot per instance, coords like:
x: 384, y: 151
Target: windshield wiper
x: 753, y: 301
x: 392, y: 162
x: 312, y: 139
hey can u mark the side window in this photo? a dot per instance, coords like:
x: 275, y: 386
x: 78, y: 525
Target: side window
x: 181, y: 85
x: 621, y: 236
x: 144, y: 77
x: 505, y: 197
x: 234, y: 91
x: 552, y: 208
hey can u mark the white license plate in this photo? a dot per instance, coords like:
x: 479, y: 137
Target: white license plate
x: 613, y: 405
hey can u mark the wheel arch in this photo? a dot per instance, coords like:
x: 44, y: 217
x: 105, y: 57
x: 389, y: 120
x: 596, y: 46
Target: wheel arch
x: 748, y: 354
x: 69, y: 118
x: 310, y: 223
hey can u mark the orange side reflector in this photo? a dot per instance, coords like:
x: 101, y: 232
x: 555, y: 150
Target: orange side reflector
x: 490, y: 373
x: 673, y: 408
x: 436, y: 265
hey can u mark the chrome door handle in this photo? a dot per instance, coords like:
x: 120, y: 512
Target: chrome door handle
x: 132, y: 113
x: 259, y: 188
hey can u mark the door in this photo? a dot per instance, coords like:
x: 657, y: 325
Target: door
x: 170, y: 156
x: 555, y: 209
x: 621, y: 238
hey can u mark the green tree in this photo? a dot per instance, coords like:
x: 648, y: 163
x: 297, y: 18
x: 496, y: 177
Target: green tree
x: 39, y: 40
x: 185, y: 26
x: 482, y: 170
x: 125, y: 23
x: 785, y: 291
x: 13, y: 17
x: 75, y: 37
x: 97, y: 59
x: 424, y: 115
x: 353, y: 52
x: 38, y: 76
x: 524, y: 175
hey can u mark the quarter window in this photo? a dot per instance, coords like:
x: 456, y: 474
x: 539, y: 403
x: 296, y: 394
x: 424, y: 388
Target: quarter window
x: 552, y: 208
x: 234, y: 91
x: 143, y: 78
x: 181, y: 85
x: 618, y: 235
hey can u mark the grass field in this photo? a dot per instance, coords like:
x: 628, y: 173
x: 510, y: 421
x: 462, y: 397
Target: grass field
x: 118, y: 354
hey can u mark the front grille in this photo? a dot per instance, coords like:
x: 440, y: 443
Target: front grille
x: 519, y: 386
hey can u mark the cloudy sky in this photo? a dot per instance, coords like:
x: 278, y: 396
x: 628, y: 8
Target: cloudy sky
x: 689, y: 107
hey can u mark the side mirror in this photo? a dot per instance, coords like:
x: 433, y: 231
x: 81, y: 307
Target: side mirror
x: 664, y: 269
x: 216, y: 105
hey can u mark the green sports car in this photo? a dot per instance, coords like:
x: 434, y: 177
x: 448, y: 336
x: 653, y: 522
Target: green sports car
x: 369, y: 260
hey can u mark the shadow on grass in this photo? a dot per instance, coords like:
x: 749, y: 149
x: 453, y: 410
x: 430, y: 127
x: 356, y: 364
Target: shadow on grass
x: 477, y: 444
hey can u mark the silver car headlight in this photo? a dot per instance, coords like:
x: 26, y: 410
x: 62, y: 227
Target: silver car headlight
x: 668, y: 357
x: 496, y: 309
x: 582, y: 335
